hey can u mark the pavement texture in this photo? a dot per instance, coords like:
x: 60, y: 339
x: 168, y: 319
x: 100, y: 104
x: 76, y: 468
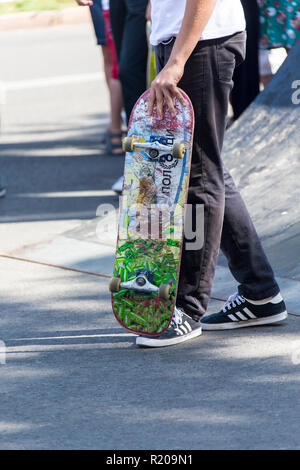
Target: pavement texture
x: 74, y: 379
x: 71, y: 378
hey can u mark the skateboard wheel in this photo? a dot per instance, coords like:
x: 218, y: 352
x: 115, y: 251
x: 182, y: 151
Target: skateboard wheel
x: 178, y: 150
x: 114, y: 284
x: 164, y: 291
x: 127, y: 144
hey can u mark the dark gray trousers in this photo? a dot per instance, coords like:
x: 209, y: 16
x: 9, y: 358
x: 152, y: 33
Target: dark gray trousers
x: 208, y: 81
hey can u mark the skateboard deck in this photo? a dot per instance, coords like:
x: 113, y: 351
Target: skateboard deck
x: 151, y: 219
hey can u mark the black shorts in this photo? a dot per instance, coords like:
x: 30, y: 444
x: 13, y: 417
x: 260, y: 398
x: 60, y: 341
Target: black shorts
x: 98, y: 21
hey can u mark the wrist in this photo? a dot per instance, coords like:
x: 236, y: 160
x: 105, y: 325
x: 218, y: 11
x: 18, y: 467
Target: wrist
x: 176, y: 61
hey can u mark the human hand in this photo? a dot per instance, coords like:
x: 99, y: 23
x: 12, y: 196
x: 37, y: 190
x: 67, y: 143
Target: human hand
x: 164, y: 89
x: 85, y: 3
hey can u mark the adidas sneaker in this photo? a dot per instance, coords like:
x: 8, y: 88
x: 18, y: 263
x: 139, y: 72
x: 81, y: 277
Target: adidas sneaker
x: 239, y: 312
x: 182, y: 328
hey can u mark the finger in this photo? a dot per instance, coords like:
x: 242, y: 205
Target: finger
x: 169, y: 101
x: 159, y: 103
x: 151, y: 102
x: 179, y: 96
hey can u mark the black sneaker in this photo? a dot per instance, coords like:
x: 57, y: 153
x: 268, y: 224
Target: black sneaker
x: 239, y: 313
x: 182, y: 328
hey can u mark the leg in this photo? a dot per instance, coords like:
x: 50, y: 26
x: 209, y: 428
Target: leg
x: 117, y: 12
x: 207, y: 81
x: 132, y: 51
x: 116, y: 104
x: 246, y: 76
x: 99, y: 27
x: 100, y: 32
x: 265, y: 68
x: 107, y: 63
x: 242, y: 248
x: 114, y: 138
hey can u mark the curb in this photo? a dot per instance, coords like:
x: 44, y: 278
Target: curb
x: 29, y: 20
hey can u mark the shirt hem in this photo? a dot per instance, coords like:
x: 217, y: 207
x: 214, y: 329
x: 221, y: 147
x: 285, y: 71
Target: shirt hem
x: 206, y: 36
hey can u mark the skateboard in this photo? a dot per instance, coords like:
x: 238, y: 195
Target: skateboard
x: 151, y: 218
x: 151, y: 72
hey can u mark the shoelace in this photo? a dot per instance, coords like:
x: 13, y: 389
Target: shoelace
x: 233, y: 301
x: 177, y: 318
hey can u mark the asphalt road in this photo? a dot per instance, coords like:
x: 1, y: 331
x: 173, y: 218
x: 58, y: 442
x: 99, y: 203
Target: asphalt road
x: 70, y: 377
x: 55, y: 105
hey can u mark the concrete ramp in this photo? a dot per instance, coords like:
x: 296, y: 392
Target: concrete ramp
x: 262, y: 151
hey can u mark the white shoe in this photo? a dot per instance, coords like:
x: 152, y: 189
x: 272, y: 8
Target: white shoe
x: 118, y: 185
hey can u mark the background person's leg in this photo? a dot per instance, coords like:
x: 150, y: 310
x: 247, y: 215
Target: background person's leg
x: 117, y: 12
x: 246, y: 76
x: 99, y: 27
x: 114, y: 138
x: 131, y: 41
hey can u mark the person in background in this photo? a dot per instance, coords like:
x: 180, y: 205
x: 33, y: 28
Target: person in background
x: 101, y: 21
x: 279, y: 27
x: 114, y: 135
x: 246, y: 76
x: 128, y: 23
x: 270, y: 60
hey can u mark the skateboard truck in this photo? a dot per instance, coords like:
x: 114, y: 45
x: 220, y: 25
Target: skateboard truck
x: 130, y: 144
x: 142, y: 283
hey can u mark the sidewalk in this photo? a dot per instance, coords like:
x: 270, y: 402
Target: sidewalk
x: 74, y: 380
x: 42, y: 19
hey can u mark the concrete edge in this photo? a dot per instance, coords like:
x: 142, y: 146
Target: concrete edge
x: 42, y: 19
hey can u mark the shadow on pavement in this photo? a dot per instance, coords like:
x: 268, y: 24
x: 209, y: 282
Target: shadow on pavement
x: 45, y: 167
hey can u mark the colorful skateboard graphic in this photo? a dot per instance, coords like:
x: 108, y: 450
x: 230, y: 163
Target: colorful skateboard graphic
x: 156, y: 178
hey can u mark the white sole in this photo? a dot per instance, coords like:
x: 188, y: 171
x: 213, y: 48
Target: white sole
x: 245, y: 323
x: 2, y: 192
x: 160, y: 343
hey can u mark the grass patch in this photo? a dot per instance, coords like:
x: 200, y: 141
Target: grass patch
x: 35, y: 5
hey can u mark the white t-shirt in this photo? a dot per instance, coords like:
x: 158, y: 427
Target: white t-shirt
x: 105, y: 5
x: 227, y: 18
